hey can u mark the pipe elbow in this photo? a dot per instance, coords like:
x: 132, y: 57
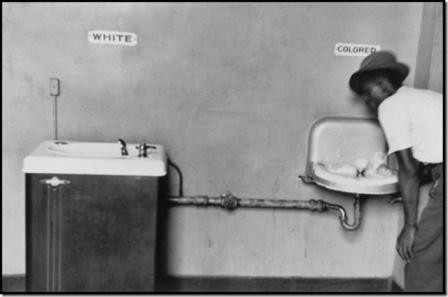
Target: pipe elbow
x: 342, y: 214
x: 351, y: 227
x: 357, y: 217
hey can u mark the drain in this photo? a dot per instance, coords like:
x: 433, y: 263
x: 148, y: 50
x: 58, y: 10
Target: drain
x: 60, y: 142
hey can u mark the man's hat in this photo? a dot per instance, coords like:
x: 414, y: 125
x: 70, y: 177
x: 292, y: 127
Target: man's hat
x: 381, y: 60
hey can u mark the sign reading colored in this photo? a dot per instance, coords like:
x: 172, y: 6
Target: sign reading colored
x: 355, y: 50
x: 112, y: 37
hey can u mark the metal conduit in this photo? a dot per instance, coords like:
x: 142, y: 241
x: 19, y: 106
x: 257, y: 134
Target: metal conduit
x: 229, y: 201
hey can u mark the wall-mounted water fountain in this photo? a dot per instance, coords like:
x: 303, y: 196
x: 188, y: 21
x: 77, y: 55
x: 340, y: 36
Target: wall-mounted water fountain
x: 349, y: 155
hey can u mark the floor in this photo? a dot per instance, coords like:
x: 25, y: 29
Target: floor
x: 247, y: 284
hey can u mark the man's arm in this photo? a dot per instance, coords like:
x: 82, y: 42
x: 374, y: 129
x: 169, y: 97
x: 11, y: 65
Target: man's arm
x: 409, y: 185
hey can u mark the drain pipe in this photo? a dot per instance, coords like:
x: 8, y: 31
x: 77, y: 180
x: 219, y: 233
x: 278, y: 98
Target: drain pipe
x: 343, y: 215
x: 229, y: 201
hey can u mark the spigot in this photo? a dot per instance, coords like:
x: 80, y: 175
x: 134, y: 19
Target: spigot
x: 124, y: 151
x: 143, y: 149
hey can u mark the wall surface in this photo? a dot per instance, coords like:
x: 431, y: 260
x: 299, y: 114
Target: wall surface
x: 429, y: 63
x: 436, y: 78
x: 231, y: 91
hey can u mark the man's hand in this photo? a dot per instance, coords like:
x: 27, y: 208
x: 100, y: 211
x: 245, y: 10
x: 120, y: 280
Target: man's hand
x: 405, y: 241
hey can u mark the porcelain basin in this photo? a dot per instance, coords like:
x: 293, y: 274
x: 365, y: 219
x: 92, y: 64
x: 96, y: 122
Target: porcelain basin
x: 102, y: 158
x: 93, y: 149
x: 370, y: 184
x: 337, y: 143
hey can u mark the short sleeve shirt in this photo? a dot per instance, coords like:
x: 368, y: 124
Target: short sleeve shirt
x: 413, y: 118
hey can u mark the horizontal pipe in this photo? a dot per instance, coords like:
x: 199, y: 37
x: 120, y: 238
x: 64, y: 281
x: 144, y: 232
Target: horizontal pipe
x: 269, y: 203
x: 228, y: 201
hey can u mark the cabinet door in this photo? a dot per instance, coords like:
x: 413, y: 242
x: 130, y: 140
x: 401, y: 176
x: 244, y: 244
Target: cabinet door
x: 43, y: 233
x: 106, y: 236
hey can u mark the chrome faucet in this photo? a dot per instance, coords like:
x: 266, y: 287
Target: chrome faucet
x: 143, y: 149
x: 124, y: 151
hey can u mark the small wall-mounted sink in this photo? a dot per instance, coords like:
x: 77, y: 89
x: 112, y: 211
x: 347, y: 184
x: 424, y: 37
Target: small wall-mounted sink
x: 103, y: 158
x: 336, y: 144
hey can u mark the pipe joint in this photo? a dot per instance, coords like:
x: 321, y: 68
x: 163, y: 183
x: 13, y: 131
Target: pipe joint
x: 317, y: 205
x: 306, y: 179
x: 229, y: 201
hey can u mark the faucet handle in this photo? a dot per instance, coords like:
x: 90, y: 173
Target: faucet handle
x: 143, y: 149
x: 122, y: 142
x: 124, y: 151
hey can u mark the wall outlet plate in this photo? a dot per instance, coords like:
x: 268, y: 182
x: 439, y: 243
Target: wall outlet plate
x: 54, y: 87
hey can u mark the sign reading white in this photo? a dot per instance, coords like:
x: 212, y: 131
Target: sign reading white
x: 112, y: 37
x: 355, y: 50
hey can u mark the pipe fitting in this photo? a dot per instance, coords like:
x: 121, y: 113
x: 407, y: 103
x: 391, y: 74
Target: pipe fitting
x: 343, y: 215
x: 306, y: 179
x: 229, y: 201
x: 317, y: 205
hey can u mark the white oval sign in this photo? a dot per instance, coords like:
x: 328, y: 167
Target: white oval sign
x: 112, y: 37
x: 356, y: 50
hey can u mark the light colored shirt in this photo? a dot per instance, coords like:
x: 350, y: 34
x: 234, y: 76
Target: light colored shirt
x: 413, y: 118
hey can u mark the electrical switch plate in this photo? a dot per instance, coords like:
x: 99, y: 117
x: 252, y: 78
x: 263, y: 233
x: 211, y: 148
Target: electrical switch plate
x: 54, y: 87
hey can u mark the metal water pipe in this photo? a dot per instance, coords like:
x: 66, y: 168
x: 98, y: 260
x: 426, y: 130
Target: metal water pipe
x: 343, y: 215
x: 230, y: 202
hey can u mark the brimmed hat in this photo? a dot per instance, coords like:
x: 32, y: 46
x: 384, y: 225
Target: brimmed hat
x: 381, y: 60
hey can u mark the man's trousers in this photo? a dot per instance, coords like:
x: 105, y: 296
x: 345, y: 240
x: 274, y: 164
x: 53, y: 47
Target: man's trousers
x: 424, y: 273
